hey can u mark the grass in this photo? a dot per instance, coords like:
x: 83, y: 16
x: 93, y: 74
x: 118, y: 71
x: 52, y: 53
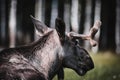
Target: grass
x: 107, y: 67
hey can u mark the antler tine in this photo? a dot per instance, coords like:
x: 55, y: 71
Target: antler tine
x: 93, y: 31
x: 95, y: 28
x: 89, y: 36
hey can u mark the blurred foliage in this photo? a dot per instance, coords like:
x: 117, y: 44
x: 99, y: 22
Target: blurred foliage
x: 107, y: 67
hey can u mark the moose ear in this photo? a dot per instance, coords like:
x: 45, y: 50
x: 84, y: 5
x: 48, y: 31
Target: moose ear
x: 40, y: 27
x: 60, y: 27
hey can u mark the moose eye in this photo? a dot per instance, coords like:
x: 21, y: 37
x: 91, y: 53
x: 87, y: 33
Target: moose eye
x: 76, y: 42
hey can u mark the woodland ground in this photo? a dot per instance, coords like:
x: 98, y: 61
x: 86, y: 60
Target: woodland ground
x: 107, y: 67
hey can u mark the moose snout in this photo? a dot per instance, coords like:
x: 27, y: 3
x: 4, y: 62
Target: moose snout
x: 90, y: 63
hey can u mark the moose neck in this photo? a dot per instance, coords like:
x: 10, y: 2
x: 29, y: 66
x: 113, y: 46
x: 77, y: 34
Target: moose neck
x: 48, y: 51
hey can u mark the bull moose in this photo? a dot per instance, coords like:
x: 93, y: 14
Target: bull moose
x: 44, y: 58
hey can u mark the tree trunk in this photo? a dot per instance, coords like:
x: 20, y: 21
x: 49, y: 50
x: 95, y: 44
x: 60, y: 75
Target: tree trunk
x: 39, y: 11
x: 25, y: 29
x: 4, y: 23
x: 87, y: 22
x: 107, y: 37
x: 12, y: 23
x: 118, y: 27
x: 92, y: 12
x: 61, y: 8
x: 74, y: 15
x: 19, y: 32
x: 67, y: 14
x: 97, y: 17
x: 82, y: 18
x: 47, y: 12
x: 54, y: 13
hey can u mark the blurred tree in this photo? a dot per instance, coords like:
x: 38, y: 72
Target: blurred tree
x: 39, y: 12
x: 118, y: 27
x: 54, y: 13
x: 67, y: 8
x: 97, y: 5
x: 108, y: 18
x: 48, y: 11
x: 12, y: 23
x: 87, y: 23
x: 61, y: 8
x: 74, y: 15
x: 93, y: 11
x: 82, y: 18
x: 4, y: 10
x: 79, y: 16
x: 39, y: 9
x: 25, y: 29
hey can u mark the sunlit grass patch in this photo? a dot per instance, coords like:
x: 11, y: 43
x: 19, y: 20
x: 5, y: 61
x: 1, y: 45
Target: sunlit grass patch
x: 107, y: 67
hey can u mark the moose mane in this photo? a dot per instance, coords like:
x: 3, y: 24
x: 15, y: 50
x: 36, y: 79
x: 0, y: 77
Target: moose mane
x: 31, y: 48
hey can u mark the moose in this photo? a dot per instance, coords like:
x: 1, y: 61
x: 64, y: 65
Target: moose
x: 46, y: 57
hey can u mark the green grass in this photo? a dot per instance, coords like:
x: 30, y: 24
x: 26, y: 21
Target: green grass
x: 107, y: 67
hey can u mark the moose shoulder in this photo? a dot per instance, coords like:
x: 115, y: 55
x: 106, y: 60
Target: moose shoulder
x: 42, y: 59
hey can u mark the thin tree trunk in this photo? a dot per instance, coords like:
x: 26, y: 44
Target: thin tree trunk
x: 97, y: 17
x: 19, y: 32
x: 92, y: 11
x: 87, y: 22
x: 118, y: 27
x: 12, y: 23
x: 54, y: 13
x: 82, y: 18
x: 28, y: 9
x: 67, y: 15
x: 74, y: 15
x: 107, y: 36
x: 47, y: 12
x: 61, y: 8
x: 2, y: 21
x: 38, y: 9
x: 39, y: 13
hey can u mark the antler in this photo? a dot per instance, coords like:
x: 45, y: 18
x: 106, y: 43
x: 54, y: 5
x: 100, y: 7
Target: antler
x: 89, y: 36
